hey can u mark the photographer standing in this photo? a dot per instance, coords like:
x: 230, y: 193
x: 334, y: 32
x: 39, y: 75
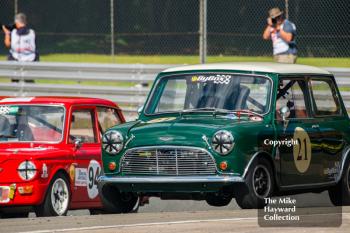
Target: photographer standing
x: 21, y: 40
x: 282, y: 32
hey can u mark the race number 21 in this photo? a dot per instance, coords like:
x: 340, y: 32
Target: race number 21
x: 302, y: 151
x: 303, y: 145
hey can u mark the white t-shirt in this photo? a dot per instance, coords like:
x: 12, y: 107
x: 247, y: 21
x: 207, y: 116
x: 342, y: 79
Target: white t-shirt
x: 279, y: 45
x: 23, y: 46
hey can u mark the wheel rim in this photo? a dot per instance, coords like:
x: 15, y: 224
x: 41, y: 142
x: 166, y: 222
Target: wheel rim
x: 126, y: 197
x: 261, y: 181
x: 59, y: 196
x: 136, y: 206
x: 348, y: 179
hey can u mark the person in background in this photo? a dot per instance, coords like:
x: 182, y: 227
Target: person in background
x: 21, y: 41
x: 282, y: 32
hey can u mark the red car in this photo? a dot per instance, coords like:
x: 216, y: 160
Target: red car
x: 50, y: 153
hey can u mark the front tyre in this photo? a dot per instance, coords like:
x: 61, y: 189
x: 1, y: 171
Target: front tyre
x: 340, y: 194
x: 259, y: 185
x: 218, y: 200
x: 116, y: 202
x: 14, y: 215
x: 57, y: 198
x: 97, y: 211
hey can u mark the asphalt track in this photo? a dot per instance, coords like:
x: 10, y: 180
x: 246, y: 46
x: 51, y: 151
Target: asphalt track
x: 186, y: 216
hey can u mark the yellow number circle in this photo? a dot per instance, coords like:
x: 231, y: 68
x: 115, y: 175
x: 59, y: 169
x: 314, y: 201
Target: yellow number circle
x: 302, y: 150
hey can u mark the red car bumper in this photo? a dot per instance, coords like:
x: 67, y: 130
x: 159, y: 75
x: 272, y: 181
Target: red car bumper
x: 22, y: 194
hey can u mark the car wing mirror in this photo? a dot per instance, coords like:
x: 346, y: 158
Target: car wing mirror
x: 77, y: 144
x: 139, y: 110
x: 284, y: 113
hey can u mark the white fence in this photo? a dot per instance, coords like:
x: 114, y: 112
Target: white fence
x: 117, y: 82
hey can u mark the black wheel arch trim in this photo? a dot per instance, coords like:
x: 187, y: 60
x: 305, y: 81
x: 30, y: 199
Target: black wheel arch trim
x: 344, y: 159
x: 257, y: 155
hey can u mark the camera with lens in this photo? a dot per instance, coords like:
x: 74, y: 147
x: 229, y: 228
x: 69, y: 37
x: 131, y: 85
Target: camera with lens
x: 274, y: 21
x: 9, y: 27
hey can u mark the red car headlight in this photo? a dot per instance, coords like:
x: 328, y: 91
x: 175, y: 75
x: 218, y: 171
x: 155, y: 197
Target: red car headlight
x: 27, y: 170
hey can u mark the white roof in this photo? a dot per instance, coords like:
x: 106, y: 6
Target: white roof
x: 268, y: 67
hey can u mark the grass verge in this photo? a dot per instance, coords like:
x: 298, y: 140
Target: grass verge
x: 165, y: 59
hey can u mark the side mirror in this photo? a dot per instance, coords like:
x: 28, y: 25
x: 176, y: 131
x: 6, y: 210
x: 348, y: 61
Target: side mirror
x: 284, y: 112
x: 139, y: 110
x: 77, y: 144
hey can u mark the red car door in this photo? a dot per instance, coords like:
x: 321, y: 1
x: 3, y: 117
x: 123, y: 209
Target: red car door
x: 84, y: 137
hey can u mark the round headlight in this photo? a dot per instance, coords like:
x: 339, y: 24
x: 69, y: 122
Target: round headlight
x: 222, y: 142
x: 27, y: 170
x: 112, y: 142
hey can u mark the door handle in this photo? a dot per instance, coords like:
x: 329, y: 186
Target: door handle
x: 315, y: 126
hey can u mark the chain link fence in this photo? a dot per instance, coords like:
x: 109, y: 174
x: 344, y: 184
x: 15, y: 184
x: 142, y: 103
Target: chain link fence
x: 235, y: 27
x: 171, y: 27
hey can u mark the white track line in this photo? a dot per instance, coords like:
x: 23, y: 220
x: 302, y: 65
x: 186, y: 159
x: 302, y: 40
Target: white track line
x: 162, y: 223
x: 139, y: 224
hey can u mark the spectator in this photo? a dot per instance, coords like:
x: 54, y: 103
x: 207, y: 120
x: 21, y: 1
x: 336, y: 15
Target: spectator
x: 282, y: 32
x: 21, y: 41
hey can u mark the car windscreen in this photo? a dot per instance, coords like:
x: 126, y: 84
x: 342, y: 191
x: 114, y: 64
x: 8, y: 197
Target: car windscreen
x: 31, y: 123
x: 210, y: 91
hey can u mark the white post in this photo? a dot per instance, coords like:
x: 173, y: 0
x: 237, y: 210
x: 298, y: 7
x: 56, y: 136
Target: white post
x: 287, y: 8
x: 16, y: 6
x: 202, y: 31
x: 112, y: 28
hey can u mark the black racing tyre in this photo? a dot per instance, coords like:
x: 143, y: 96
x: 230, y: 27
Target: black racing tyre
x: 218, y: 200
x: 340, y: 193
x: 57, y: 199
x: 14, y: 215
x: 116, y: 202
x: 259, y: 184
x: 96, y: 211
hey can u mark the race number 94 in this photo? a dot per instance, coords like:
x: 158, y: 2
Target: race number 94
x: 94, y: 172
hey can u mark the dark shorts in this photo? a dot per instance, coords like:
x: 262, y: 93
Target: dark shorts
x: 11, y: 58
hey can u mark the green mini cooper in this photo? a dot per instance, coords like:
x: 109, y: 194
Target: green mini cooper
x: 233, y: 130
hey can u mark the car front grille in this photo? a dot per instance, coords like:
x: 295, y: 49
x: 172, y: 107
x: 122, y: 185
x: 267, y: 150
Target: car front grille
x: 171, y: 161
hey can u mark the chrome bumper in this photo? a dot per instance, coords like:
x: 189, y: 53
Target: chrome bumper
x: 224, y: 179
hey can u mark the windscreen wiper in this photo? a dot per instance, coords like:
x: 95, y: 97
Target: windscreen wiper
x: 7, y: 136
x: 221, y: 111
x: 247, y: 112
x: 206, y: 109
x: 198, y: 109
